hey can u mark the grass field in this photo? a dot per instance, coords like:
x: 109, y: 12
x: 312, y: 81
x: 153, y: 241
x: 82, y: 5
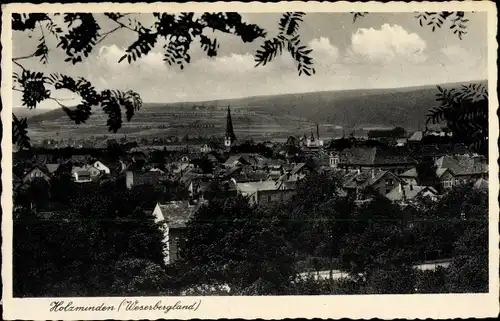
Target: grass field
x: 257, y: 117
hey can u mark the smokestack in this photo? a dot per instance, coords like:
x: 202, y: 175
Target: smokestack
x: 317, y: 131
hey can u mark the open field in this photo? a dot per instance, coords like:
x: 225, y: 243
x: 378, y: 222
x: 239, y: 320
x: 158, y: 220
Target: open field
x: 262, y: 117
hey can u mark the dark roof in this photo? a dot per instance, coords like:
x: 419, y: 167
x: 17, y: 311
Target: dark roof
x: 370, y: 156
x: 176, y: 213
x: 364, y: 179
x: 51, y: 168
x: 150, y: 177
x: 299, y: 167
x: 463, y: 165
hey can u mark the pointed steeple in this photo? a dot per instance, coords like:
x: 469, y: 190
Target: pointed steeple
x: 230, y: 137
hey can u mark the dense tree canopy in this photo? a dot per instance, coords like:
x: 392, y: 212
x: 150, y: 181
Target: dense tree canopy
x: 231, y: 242
x: 104, y: 231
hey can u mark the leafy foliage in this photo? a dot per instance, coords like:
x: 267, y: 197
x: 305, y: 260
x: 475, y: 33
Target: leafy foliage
x: 33, y: 87
x: 456, y: 20
x: 103, y: 232
x: 435, y: 20
x: 80, y: 40
x: 465, y: 112
x: 27, y: 21
x: 19, y: 132
x: 287, y: 38
x: 230, y: 242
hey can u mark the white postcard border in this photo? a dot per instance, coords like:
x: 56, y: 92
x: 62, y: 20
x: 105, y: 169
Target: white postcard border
x: 437, y: 306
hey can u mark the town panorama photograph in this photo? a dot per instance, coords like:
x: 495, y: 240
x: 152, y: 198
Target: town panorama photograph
x: 249, y: 154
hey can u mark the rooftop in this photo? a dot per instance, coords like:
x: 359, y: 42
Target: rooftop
x: 176, y: 213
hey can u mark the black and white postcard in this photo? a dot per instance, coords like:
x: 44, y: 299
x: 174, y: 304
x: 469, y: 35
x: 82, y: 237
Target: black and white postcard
x: 249, y: 160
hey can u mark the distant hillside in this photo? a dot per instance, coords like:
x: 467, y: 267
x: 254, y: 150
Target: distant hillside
x: 265, y: 115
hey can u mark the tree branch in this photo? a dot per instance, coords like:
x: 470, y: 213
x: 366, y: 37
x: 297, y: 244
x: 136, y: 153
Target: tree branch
x: 104, y: 35
x: 22, y: 67
x: 123, y: 25
x: 23, y: 57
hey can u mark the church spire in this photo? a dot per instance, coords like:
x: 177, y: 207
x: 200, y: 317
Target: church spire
x: 230, y: 137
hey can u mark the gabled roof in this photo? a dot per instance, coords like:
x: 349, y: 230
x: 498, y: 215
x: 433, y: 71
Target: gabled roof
x: 51, y: 168
x: 297, y: 168
x: 43, y: 169
x: 481, y: 184
x: 463, y: 164
x: 417, y: 136
x: 364, y: 179
x: 370, y: 156
x: 176, y: 213
x: 412, y: 172
x: 408, y: 192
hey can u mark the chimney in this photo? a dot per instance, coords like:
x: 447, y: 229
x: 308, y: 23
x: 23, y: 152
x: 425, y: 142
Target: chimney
x: 317, y: 131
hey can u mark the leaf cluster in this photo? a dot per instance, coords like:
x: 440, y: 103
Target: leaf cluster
x: 289, y: 39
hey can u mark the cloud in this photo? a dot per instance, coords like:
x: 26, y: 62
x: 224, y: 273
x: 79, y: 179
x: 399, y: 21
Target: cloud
x: 387, y: 44
x: 323, y: 48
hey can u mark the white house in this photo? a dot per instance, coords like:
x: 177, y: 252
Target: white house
x: 172, y: 216
x: 100, y: 166
x: 85, y: 174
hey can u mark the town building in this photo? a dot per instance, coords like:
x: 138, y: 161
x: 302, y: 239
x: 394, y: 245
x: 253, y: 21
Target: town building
x: 229, y: 137
x: 172, y: 218
x: 372, y: 159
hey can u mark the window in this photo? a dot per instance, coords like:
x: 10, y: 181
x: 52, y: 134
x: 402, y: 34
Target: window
x: 269, y: 198
x: 447, y: 184
x: 389, y: 182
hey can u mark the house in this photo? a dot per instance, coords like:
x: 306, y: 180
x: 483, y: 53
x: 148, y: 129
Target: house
x: 416, y: 138
x: 34, y: 173
x: 334, y: 159
x: 299, y: 171
x: 263, y: 192
x: 206, y: 148
x: 465, y: 168
x: 236, y: 160
x: 444, y: 175
x: 382, y: 182
x: 400, y: 142
x: 134, y: 178
x: 375, y: 158
x: 408, y: 193
x: 85, y: 174
x: 101, y: 167
x: 172, y: 217
x: 481, y: 184
x: 82, y: 176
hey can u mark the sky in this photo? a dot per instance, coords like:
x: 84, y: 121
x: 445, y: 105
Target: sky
x: 380, y: 50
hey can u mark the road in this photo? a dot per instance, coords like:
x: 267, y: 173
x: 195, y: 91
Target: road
x: 337, y: 274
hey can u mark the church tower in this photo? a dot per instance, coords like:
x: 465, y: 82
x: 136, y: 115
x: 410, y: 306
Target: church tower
x: 230, y: 137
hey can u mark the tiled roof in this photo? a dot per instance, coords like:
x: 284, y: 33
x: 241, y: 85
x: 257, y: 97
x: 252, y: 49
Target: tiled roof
x: 481, y: 184
x: 463, y: 165
x: 252, y: 187
x: 176, y: 213
x: 369, y: 156
x: 409, y: 192
x: 297, y: 168
x: 364, y: 179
